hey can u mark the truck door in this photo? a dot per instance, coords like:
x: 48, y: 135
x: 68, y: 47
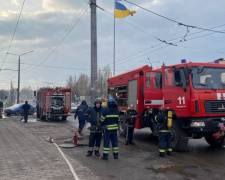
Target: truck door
x: 176, y: 90
x: 132, y: 93
x: 153, y: 96
x: 67, y: 98
x: 48, y: 101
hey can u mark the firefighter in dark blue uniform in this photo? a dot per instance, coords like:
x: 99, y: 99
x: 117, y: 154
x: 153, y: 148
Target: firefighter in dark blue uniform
x: 81, y: 110
x: 93, y: 116
x: 165, y: 139
x: 110, y: 118
x: 131, y: 115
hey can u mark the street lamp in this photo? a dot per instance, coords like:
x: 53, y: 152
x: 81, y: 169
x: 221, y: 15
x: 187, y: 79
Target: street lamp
x: 18, y: 91
x: 151, y: 62
x: 8, y: 69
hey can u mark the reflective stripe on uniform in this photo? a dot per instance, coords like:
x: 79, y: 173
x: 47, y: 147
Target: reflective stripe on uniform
x: 106, y: 150
x: 164, y: 131
x: 156, y: 118
x: 115, y: 149
x: 162, y: 150
x: 102, y: 118
x: 169, y: 149
x: 112, y: 127
x: 109, y: 116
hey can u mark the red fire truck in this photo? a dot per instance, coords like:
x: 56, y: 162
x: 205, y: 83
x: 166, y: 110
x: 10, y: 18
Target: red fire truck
x: 195, y: 92
x: 53, y: 102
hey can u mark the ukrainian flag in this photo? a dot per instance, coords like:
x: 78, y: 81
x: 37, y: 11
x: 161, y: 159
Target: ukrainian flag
x: 121, y: 11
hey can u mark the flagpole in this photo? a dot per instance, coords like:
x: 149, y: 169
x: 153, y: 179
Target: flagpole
x: 114, y: 44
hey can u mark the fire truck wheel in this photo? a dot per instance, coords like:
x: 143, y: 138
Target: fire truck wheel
x: 215, y: 142
x: 31, y: 112
x: 122, y: 129
x: 179, y: 137
x: 64, y: 118
x: 38, y: 114
x: 43, y: 117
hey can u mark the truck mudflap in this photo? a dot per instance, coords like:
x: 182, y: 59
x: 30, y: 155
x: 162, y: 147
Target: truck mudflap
x: 207, y: 125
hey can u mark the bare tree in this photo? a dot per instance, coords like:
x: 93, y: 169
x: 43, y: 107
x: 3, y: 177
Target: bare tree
x: 84, y: 85
x: 81, y: 86
x: 3, y: 94
x: 103, y: 76
x: 26, y: 93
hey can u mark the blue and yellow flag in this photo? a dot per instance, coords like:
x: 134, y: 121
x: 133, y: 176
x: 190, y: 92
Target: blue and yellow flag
x: 121, y: 11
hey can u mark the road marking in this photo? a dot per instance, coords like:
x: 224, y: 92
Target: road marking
x: 67, y: 161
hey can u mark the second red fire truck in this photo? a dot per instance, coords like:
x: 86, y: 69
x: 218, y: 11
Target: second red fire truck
x: 53, y: 102
x: 195, y: 92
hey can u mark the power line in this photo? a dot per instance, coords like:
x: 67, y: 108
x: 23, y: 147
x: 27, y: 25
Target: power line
x: 179, y: 23
x: 13, y: 33
x: 56, y: 67
x: 60, y: 41
x: 151, y: 35
x: 162, y: 41
x: 45, y: 45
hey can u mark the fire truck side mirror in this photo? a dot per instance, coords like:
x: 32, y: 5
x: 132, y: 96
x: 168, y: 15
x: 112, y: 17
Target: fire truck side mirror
x: 35, y: 93
x: 186, y: 72
x: 200, y: 69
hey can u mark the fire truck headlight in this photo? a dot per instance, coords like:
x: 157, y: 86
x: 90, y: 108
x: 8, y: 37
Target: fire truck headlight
x: 197, y: 124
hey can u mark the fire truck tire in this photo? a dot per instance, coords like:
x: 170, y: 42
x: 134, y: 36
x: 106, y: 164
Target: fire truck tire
x: 215, y: 142
x: 179, y: 137
x: 38, y: 114
x: 64, y: 118
x: 43, y: 117
x: 122, y: 129
x: 31, y: 112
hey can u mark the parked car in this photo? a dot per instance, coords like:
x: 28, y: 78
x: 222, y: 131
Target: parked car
x: 16, y: 109
x: 73, y: 108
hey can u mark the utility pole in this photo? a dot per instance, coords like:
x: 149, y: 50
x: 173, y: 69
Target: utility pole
x: 93, y: 51
x: 18, y: 90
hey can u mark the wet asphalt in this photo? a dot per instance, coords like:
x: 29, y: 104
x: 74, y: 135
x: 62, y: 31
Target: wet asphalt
x: 139, y: 161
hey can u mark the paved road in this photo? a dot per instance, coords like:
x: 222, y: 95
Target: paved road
x: 24, y: 153
x: 141, y: 161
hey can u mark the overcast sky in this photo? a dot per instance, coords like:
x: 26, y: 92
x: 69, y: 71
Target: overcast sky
x: 44, y: 24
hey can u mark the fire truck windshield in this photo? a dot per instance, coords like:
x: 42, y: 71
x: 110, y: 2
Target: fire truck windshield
x: 208, y: 78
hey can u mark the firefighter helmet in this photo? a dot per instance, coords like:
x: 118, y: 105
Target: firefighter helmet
x: 96, y: 101
x: 111, y: 100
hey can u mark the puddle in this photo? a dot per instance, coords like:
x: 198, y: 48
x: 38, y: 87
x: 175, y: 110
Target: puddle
x: 32, y: 120
x: 191, y: 170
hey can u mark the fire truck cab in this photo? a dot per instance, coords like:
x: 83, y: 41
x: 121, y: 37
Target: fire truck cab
x: 195, y: 92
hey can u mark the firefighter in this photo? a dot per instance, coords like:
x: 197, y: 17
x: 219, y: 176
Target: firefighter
x: 110, y: 118
x: 95, y: 137
x: 81, y: 110
x: 131, y: 115
x: 26, y: 108
x: 165, y: 139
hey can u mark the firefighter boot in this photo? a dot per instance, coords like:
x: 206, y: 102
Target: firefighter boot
x: 97, y: 153
x: 105, y: 156
x: 162, y: 154
x: 89, y: 153
x: 169, y: 153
